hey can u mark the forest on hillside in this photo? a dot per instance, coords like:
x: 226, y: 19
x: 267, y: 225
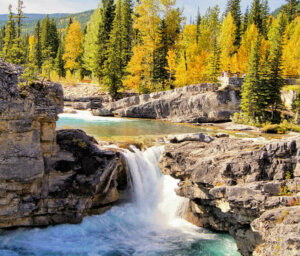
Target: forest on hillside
x: 147, y: 46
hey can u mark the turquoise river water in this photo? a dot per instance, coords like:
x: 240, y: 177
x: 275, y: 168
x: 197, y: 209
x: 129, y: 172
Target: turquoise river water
x: 149, y: 225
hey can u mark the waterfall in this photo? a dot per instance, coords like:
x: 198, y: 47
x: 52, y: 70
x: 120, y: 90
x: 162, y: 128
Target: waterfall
x: 149, y: 225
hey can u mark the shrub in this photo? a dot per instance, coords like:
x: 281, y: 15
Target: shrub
x: 274, y: 128
x: 281, y: 128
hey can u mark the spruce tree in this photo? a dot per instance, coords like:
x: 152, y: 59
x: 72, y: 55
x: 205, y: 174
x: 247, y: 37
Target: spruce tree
x: 127, y: 30
x: 10, y: 36
x: 255, y: 15
x: 59, y: 62
x: 290, y: 9
x: 233, y: 7
x: 274, y: 78
x: 2, y: 36
x: 198, y: 23
x: 105, y: 27
x: 253, y: 97
x: 114, y: 68
x: 19, y: 18
x: 49, y: 38
x: 160, y: 73
x: 214, y: 64
x: 264, y: 16
x: 245, y: 21
x: 37, y: 47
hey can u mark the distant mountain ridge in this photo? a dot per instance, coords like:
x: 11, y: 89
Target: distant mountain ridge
x: 278, y: 10
x: 60, y: 18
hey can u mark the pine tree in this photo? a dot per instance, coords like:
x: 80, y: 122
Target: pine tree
x: 274, y: 78
x: 253, y: 97
x: 290, y: 9
x: 233, y: 7
x: 214, y: 64
x: 19, y: 18
x: 10, y: 36
x: 2, y: 36
x: 127, y: 30
x: 160, y: 74
x: 114, y: 65
x: 255, y: 16
x: 59, y: 62
x: 264, y: 16
x: 105, y: 27
x: 37, y: 47
x: 49, y: 37
x: 245, y: 20
x: 198, y: 23
x: 90, y: 42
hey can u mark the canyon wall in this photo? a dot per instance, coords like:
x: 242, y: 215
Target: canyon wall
x: 47, y: 177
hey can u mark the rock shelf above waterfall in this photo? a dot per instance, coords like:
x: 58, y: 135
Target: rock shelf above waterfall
x: 233, y: 184
x: 200, y: 103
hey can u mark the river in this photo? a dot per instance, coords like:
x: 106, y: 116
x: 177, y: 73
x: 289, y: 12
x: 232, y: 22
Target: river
x: 149, y: 225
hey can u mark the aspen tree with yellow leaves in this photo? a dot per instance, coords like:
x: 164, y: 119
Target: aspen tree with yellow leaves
x: 73, y: 47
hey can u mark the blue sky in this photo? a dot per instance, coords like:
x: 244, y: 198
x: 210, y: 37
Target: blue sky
x: 70, y: 6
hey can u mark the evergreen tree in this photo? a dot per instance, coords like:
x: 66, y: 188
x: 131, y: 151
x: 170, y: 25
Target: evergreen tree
x: 198, y: 23
x: 49, y: 37
x: 105, y: 27
x: 59, y: 62
x: 214, y: 64
x: 264, y: 16
x: 274, y: 74
x: 114, y: 67
x: 19, y: 18
x: 160, y: 73
x: 255, y: 15
x: 10, y: 36
x: 290, y: 9
x: 245, y: 21
x: 90, y: 42
x: 37, y: 47
x: 2, y: 36
x: 127, y: 30
x: 253, y: 97
x: 233, y: 7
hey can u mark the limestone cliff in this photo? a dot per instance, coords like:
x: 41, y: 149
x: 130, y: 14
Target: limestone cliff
x: 48, y: 178
x: 196, y: 103
x: 233, y: 184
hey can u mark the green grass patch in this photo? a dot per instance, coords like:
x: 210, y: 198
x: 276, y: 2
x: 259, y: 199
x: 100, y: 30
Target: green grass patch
x: 295, y: 88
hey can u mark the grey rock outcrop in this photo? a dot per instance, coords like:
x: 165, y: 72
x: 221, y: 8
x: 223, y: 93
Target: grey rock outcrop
x: 232, y: 183
x: 46, y: 177
x: 194, y: 104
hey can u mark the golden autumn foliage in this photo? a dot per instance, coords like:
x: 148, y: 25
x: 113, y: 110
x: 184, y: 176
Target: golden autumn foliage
x: 227, y: 39
x: 291, y: 49
x: 73, y: 47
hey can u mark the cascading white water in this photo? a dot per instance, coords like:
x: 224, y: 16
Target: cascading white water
x: 147, y: 226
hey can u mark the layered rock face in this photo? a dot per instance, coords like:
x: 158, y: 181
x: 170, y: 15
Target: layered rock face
x: 196, y: 103
x: 233, y: 184
x: 48, y: 178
